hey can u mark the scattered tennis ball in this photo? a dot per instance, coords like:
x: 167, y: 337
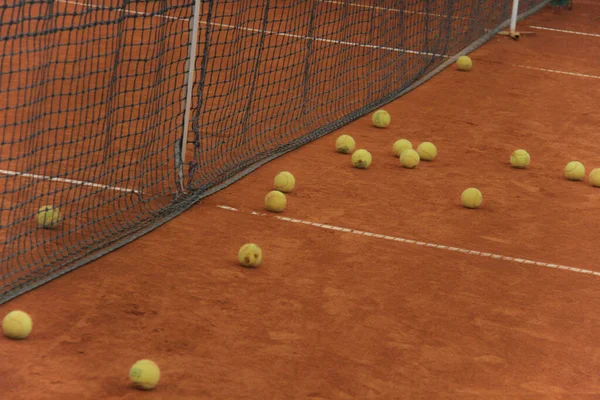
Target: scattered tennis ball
x: 48, y: 216
x: 594, y: 177
x: 400, y: 146
x: 574, y: 171
x: 519, y: 158
x: 409, y: 158
x: 471, y: 198
x: 427, y: 151
x: 345, y: 144
x: 381, y: 118
x: 361, y: 159
x: 17, y: 325
x: 464, y: 63
x: 284, y: 182
x: 144, y: 374
x: 250, y: 255
x: 275, y: 201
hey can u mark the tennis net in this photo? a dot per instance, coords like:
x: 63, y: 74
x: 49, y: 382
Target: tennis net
x: 102, y: 117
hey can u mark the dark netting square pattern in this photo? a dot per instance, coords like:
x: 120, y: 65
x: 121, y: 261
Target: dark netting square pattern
x: 120, y: 114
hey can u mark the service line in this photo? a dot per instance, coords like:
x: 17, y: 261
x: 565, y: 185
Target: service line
x: 69, y: 181
x: 415, y: 242
x: 554, y: 71
x: 543, y: 28
x: 267, y: 32
x: 393, y: 10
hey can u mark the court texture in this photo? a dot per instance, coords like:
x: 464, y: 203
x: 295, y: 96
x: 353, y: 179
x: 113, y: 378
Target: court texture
x: 130, y: 178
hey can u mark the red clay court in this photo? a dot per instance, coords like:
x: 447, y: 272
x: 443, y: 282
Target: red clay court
x: 376, y: 283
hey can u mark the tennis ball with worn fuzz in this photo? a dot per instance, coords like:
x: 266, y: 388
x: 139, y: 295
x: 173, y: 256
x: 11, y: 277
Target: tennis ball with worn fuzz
x: 464, y: 63
x: 144, y: 374
x: 361, y: 159
x: 520, y: 158
x: 400, y: 146
x: 284, y: 182
x: 427, y: 151
x: 250, y: 255
x: 574, y: 171
x: 409, y: 158
x: 17, y: 325
x: 345, y: 144
x: 48, y: 216
x: 381, y: 118
x: 275, y: 201
x: 594, y: 177
x: 471, y: 198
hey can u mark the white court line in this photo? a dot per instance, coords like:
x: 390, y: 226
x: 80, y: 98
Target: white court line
x: 342, y: 42
x: 543, y: 28
x: 79, y: 3
x: 416, y: 242
x: 267, y: 32
x: 394, y: 49
x: 557, y: 72
x: 65, y: 180
x: 396, y: 10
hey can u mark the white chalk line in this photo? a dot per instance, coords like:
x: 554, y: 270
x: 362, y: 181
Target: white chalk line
x: 333, y: 41
x: 79, y: 3
x: 394, y: 10
x: 543, y: 28
x: 554, y: 71
x: 416, y: 242
x: 323, y: 40
x: 268, y: 32
x: 70, y: 181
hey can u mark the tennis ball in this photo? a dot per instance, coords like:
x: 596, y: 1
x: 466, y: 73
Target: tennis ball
x: 361, y: 159
x: 471, y: 198
x: 284, y: 182
x: 48, y: 216
x: 594, y: 177
x: 381, y: 118
x: 409, y: 158
x: 519, y: 158
x: 144, y: 374
x: 427, y: 151
x: 275, y: 201
x: 17, y: 325
x: 345, y: 144
x: 250, y: 255
x: 574, y: 171
x: 464, y: 63
x: 400, y: 146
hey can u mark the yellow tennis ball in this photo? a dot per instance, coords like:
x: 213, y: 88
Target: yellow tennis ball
x: 284, y: 182
x: 144, y: 374
x: 17, y: 325
x: 361, y: 159
x: 409, y: 158
x: 275, y: 201
x: 594, y: 177
x: 464, y: 63
x: 471, y: 198
x: 574, y: 171
x: 519, y: 158
x: 48, y: 216
x: 400, y: 146
x: 250, y: 255
x: 427, y: 151
x: 345, y: 144
x: 381, y: 118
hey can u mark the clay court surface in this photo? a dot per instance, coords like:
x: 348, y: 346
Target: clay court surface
x: 402, y: 294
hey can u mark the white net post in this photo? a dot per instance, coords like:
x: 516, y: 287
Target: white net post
x: 191, y: 70
x: 513, y: 17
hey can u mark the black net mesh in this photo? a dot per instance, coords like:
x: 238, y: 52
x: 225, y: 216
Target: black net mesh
x: 93, y: 100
